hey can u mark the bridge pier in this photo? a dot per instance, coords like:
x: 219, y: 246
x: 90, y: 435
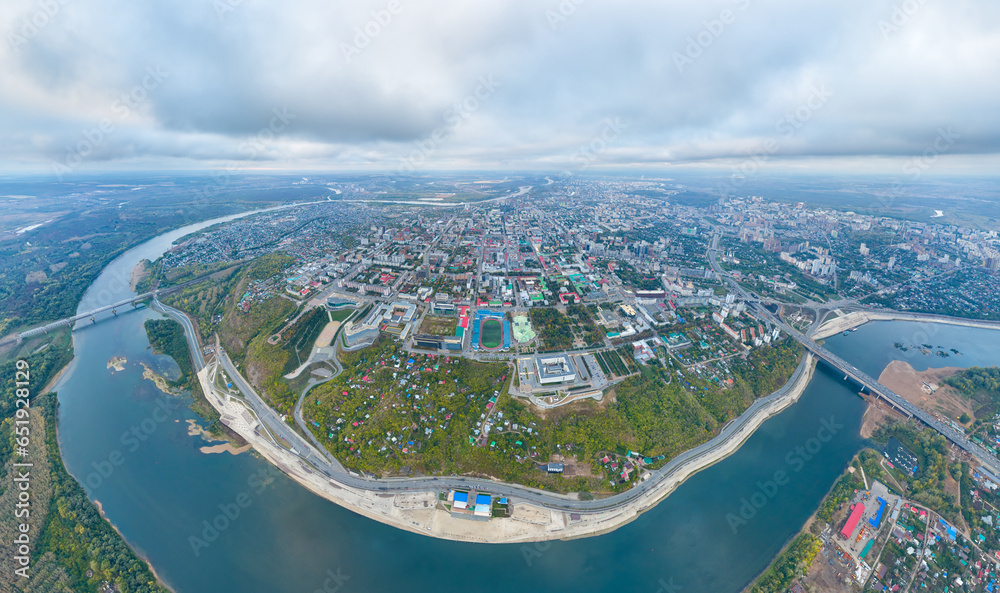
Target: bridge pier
x: 115, y: 311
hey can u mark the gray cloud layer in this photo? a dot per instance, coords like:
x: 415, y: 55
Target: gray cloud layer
x: 541, y: 83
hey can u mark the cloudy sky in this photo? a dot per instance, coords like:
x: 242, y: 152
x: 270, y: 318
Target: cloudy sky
x: 423, y: 84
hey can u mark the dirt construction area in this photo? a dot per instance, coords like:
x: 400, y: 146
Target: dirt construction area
x: 925, y: 388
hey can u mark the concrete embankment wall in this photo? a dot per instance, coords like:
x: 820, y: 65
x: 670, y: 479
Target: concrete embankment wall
x: 854, y: 319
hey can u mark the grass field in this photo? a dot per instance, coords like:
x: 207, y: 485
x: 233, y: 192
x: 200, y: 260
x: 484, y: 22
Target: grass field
x: 491, y: 333
x: 439, y: 326
x: 341, y: 314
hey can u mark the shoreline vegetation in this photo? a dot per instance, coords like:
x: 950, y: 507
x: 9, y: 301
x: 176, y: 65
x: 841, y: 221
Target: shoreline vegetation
x: 74, y: 548
x: 935, y: 486
x: 166, y: 336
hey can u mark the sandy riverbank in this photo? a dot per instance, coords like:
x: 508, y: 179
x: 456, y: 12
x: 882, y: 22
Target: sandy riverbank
x: 224, y: 448
x: 875, y: 417
x: 54, y: 380
x: 420, y: 512
x: 832, y: 327
x: 139, y: 272
x: 161, y: 382
x: 925, y: 388
x: 138, y: 553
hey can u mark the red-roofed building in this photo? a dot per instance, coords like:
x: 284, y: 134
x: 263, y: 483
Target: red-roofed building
x: 852, y: 521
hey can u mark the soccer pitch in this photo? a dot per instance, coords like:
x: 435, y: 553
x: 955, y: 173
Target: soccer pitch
x: 492, y: 333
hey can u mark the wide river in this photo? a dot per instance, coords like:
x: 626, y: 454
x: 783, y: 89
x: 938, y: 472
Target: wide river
x: 289, y: 540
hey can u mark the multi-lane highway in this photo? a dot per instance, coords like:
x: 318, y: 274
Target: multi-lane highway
x: 310, y: 452
x: 898, y: 401
x: 112, y: 307
x: 336, y: 472
x: 71, y: 320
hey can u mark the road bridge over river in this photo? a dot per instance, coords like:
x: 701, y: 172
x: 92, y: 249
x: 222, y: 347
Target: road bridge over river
x: 897, y: 401
x: 866, y: 381
x: 134, y: 301
x: 113, y: 307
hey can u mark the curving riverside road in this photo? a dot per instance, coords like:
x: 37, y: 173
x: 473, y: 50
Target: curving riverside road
x: 563, y: 502
x: 323, y: 462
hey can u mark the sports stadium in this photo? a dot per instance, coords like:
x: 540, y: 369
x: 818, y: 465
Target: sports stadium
x: 490, y: 331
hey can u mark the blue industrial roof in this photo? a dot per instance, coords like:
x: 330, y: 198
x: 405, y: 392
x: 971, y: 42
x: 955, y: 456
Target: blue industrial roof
x: 461, y: 496
x: 877, y: 519
x: 482, y: 499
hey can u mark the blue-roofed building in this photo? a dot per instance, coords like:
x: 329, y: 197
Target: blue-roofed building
x: 951, y: 531
x: 482, y: 510
x: 877, y: 519
x: 483, y: 505
x: 472, y: 506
